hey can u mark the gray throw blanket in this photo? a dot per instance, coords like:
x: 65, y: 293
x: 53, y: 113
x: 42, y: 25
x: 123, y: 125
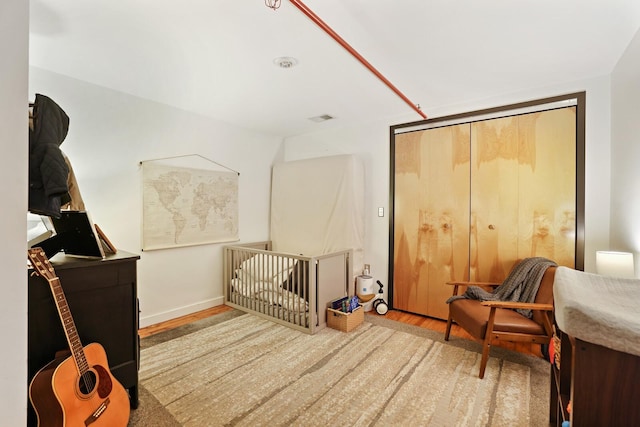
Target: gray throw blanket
x: 521, y: 285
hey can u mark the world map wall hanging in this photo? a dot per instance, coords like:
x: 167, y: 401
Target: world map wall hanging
x: 184, y: 206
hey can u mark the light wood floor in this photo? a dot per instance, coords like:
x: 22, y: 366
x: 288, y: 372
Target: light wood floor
x: 400, y: 316
x: 174, y: 323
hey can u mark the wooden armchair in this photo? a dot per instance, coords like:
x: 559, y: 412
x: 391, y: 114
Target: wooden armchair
x: 497, y: 320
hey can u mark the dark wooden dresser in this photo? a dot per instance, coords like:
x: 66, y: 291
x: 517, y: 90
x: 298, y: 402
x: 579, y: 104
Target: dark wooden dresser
x: 599, y: 371
x: 601, y: 384
x: 102, y: 297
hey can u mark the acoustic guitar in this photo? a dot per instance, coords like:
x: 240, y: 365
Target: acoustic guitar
x: 76, y: 390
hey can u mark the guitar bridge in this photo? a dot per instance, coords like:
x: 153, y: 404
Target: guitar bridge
x: 96, y: 414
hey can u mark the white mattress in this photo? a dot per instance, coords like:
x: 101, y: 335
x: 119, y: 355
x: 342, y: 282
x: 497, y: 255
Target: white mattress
x: 598, y: 309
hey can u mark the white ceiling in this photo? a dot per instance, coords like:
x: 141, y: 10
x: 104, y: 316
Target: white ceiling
x: 216, y: 57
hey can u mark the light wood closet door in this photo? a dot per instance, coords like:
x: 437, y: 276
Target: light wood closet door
x: 431, y: 217
x: 472, y: 199
x: 547, y: 192
x: 522, y: 191
x: 494, y: 225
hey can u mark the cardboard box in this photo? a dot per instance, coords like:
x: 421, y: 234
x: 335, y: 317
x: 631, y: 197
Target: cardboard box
x: 345, y: 322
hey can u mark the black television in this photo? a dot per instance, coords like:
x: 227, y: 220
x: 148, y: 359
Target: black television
x: 75, y: 234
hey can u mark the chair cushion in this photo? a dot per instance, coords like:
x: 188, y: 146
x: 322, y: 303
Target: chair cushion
x: 472, y: 316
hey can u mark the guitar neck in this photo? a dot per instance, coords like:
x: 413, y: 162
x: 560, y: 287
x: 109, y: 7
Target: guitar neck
x: 73, y: 339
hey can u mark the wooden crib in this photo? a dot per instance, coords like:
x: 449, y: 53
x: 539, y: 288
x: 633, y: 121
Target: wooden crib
x: 290, y: 289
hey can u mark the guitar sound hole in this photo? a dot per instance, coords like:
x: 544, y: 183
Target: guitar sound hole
x: 87, y: 382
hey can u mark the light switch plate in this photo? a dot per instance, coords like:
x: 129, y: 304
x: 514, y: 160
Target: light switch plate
x: 380, y: 211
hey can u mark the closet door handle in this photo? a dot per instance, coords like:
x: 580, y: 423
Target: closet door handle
x: 492, y: 227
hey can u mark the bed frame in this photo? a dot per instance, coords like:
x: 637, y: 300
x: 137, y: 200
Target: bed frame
x: 307, y: 287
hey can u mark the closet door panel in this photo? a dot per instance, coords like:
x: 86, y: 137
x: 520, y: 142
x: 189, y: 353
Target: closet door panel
x: 494, y: 198
x: 547, y: 179
x: 431, y: 217
x: 406, y: 207
x: 522, y: 191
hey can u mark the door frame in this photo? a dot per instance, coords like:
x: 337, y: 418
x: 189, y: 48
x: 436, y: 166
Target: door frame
x: 577, y: 99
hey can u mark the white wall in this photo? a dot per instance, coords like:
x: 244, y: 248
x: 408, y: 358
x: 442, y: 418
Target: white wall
x: 625, y: 147
x: 109, y: 134
x: 14, y: 149
x: 371, y: 142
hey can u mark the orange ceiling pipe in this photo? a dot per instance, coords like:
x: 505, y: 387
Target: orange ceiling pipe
x: 315, y: 18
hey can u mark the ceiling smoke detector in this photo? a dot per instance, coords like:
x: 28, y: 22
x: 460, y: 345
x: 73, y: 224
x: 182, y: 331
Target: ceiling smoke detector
x: 285, y: 62
x: 322, y: 118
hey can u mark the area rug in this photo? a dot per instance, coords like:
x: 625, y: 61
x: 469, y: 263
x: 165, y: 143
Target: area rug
x: 243, y: 370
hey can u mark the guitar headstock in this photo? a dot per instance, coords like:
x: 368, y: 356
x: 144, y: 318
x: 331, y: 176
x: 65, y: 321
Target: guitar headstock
x: 41, y: 264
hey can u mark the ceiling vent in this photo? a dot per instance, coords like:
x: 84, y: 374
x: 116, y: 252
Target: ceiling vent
x: 322, y: 118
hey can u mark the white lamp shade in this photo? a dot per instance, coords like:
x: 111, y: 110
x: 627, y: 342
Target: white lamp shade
x: 615, y: 264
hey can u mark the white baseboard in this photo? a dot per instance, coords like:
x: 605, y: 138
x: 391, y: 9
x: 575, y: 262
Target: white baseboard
x: 153, y: 319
